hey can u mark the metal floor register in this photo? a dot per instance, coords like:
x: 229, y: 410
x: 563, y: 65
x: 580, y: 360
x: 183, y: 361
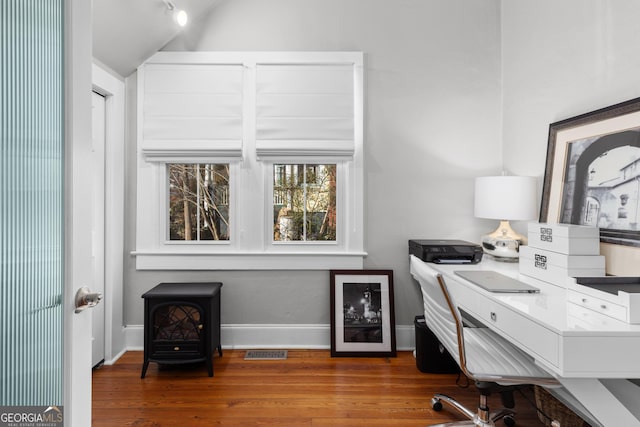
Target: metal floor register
x: 265, y: 355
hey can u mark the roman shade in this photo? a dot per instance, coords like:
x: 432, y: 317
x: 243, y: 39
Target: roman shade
x: 304, y: 110
x: 248, y: 111
x: 192, y: 112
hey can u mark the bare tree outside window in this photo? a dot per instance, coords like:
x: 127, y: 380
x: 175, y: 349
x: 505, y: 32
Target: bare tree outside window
x: 304, y: 202
x: 198, y: 201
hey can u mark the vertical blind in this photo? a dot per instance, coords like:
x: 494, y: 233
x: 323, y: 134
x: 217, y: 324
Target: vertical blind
x: 31, y: 202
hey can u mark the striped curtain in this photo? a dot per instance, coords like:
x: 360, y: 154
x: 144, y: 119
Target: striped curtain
x: 31, y: 202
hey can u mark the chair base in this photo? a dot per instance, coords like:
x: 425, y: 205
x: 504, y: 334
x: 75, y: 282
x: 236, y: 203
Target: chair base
x: 482, y: 418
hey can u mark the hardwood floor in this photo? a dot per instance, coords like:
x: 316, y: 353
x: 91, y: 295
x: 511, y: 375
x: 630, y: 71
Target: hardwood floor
x: 310, y: 388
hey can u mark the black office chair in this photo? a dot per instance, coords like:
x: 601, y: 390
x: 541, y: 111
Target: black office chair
x: 493, y: 363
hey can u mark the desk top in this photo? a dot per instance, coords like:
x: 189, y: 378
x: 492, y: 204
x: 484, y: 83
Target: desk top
x: 548, y: 307
x: 567, y: 339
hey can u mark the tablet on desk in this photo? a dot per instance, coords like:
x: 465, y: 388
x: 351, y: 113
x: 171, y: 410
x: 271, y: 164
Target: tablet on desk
x: 493, y: 281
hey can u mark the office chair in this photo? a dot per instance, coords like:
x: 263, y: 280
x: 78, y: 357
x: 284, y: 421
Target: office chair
x: 493, y: 363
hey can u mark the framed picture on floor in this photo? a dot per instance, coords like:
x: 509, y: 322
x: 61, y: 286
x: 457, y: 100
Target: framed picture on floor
x: 362, y: 313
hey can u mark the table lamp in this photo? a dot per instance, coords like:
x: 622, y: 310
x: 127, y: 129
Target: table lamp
x: 505, y: 198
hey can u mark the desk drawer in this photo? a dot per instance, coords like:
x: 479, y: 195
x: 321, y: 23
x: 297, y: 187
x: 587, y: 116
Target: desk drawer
x: 538, y: 341
x: 592, y: 303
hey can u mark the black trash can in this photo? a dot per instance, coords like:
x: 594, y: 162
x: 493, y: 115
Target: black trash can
x: 431, y: 356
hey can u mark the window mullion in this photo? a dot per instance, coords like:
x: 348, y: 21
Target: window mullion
x: 198, y: 219
x: 304, y: 202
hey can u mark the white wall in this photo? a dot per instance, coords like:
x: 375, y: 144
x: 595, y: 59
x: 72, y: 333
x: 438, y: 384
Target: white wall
x: 436, y: 117
x: 562, y: 59
x: 433, y: 119
x: 453, y: 88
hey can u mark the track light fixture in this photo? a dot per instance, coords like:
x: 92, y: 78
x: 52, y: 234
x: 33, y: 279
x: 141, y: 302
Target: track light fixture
x: 179, y: 15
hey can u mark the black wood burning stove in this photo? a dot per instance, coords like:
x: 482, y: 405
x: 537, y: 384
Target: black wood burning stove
x: 181, y: 324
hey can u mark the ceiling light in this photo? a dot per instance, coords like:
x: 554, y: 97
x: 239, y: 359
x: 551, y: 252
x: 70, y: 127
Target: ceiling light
x: 179, y: 15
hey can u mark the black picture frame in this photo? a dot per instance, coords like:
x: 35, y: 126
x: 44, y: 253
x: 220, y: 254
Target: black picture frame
x: 581, y: 186
x: 362, y: 313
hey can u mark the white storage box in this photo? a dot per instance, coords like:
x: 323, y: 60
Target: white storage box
x: 565, y: 238
x: 614, y: 296
x: 555, y: 268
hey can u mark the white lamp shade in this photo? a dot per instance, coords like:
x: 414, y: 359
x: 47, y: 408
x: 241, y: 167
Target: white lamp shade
x: 506, y: 197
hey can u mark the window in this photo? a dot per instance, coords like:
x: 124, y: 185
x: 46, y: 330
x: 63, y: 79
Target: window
x: 198, y: 201
x: 304, y: 202
x: 250, y: 160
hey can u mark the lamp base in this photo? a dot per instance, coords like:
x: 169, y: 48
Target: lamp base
x: 504, y: 243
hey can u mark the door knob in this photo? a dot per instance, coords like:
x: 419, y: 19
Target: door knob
x: 86, y: 299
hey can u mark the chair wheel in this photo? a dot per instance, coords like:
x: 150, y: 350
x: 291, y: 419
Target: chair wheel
x: 509, y: 421
x: 436, y: 404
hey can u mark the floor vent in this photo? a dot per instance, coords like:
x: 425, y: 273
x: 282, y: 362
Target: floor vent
x: 265, y: 355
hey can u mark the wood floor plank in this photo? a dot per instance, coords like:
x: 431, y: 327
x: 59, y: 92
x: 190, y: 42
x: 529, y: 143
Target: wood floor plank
x: 309, y: 388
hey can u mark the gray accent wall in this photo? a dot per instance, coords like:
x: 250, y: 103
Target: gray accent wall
x: 432, y: 123
x: 454, y: 89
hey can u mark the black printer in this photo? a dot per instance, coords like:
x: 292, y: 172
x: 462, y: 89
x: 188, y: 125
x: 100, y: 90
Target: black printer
x: 446, y: 251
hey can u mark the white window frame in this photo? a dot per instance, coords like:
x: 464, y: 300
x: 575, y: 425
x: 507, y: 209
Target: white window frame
x: 164, y: 207
x: 251, y: 244
x: 309, y: 245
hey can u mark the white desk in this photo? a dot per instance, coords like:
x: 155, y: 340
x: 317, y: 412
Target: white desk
x: 591, y: 354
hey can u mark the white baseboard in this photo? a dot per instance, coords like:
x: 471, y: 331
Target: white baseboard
x: 235, y: 336
x: 115, y: 358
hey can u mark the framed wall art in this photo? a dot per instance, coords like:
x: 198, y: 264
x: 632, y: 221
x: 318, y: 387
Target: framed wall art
x: 592, y: 175
x: 362, y: 313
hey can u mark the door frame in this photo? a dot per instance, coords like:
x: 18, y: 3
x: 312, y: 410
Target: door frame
x: 113, y: 89
x: 77, y: 223
x: 80, y: 78
x: 98, y: 144
x: 78, y: 83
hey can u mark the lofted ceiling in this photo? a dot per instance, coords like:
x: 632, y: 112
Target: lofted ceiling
x: 127, y: 32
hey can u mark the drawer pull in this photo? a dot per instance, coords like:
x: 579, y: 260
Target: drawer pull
x: 602, y: 306
x: 494, y: 316
x: 584, y: 300
x: 176, y: 348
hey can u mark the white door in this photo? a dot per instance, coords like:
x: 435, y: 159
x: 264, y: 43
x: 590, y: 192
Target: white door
x: 97, y: 233
x: 45, y: 134
x: 78, y: 211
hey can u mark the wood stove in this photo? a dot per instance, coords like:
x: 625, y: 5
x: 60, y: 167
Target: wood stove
x: 182, y: 324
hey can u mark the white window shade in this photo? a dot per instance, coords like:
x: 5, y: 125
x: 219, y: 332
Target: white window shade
x: 192, y: 112
x: 230, y: 108
x: 305, y: 110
